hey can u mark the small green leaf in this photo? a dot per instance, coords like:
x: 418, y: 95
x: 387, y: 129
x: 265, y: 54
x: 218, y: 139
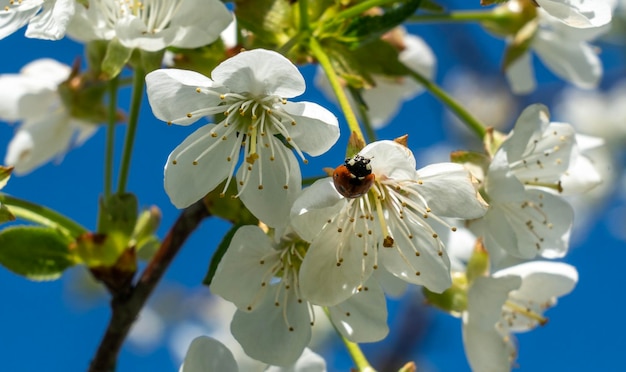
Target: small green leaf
x: 38, y: 253
x: 116, y: 58
x: 520, y: 44
x: 432, y: 7
x: 5, y: 174
x: 219, y: 253
x: 271, y: 21
x: 368, y: 28
x: 5, y: 214
x: 118, y: 213
x: 100, y: 250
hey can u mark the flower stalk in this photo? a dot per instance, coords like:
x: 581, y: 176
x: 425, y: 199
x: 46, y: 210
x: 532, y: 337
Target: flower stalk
x: 135, y: 107
x: 324, y: 61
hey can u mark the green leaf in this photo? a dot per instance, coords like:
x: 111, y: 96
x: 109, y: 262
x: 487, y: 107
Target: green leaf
x: 38, y: 253
x: 5, y: 214
x: 219, y: 253
x: 520, y: 44
x: 5, y: 174
x: 368, y: 27
x: 432, y: 7
x: 118, y: 213
x: 271, y: 21
x: 116, y: 58
x: 380, y: 58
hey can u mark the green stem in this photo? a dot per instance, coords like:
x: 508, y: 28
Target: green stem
x: 138, y: 82
x: 108, y: 160
x: 359, y: 359
x: 364, y: 114
x: 304, y: 14
x: 285, y: 48
x: 327, y: 66
x: 473, y: 123
x: 469, y: 16
x: 41, y: 215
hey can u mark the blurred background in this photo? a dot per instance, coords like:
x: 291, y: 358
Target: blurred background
x: 56, y: 326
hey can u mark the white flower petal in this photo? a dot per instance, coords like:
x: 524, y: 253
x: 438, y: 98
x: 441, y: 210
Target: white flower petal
x: 581, y: 176
x: 316, y: 129
x: 186, y: 183
x: 576, y: 14
x: 17, y: 16
x: 529, y: 128
x: 574, y: 61
x: 487, y: 350
x: 240, y: 274
x: 51, y: 23
x: 325, y: 282
x: 37, y: 142
x: 25, y: 98
x: 485, y: 299
x: 390, y: 160
x: 314, y: 206
x: 260, y: 72
x: 173, y: 96
x: 418, y: 56
x: 541, y: 223
x: 308, y: 362
x: 280, y: 180
x: 199, y: 23
x: 418, y: 260
x: 206, y: 354
x: 362, y: 317
x: 521, y: 76
x: 33, y: 92
x: 391, y: 284
x: 449, y: 191
x: 542, y: 280
x: 273, y: 334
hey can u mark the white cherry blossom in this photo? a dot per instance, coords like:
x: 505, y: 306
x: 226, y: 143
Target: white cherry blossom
x: 525, y: 217
x: 251, y: 89
x: 151, y: 25
x: 390, y: 225
x: 511, y: 300
x: 562, y: 44
x: 46, y: 19
x: 273, y: 321
x: 47, y: 130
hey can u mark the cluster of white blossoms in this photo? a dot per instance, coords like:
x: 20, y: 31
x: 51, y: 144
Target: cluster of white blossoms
x: 378, y: 222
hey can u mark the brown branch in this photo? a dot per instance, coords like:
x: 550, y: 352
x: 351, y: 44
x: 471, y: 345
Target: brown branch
x: 125, y: 306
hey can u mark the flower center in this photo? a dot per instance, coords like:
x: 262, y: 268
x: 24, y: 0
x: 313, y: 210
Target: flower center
x: 281, y: 276
x: 155, y: 14
x: 253, y: 121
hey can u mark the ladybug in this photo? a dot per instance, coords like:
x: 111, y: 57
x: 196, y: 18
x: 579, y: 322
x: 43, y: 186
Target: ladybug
x: 354, y: 177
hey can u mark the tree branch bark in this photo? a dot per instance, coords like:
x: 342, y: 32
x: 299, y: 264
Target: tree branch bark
x: 125, y: 306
